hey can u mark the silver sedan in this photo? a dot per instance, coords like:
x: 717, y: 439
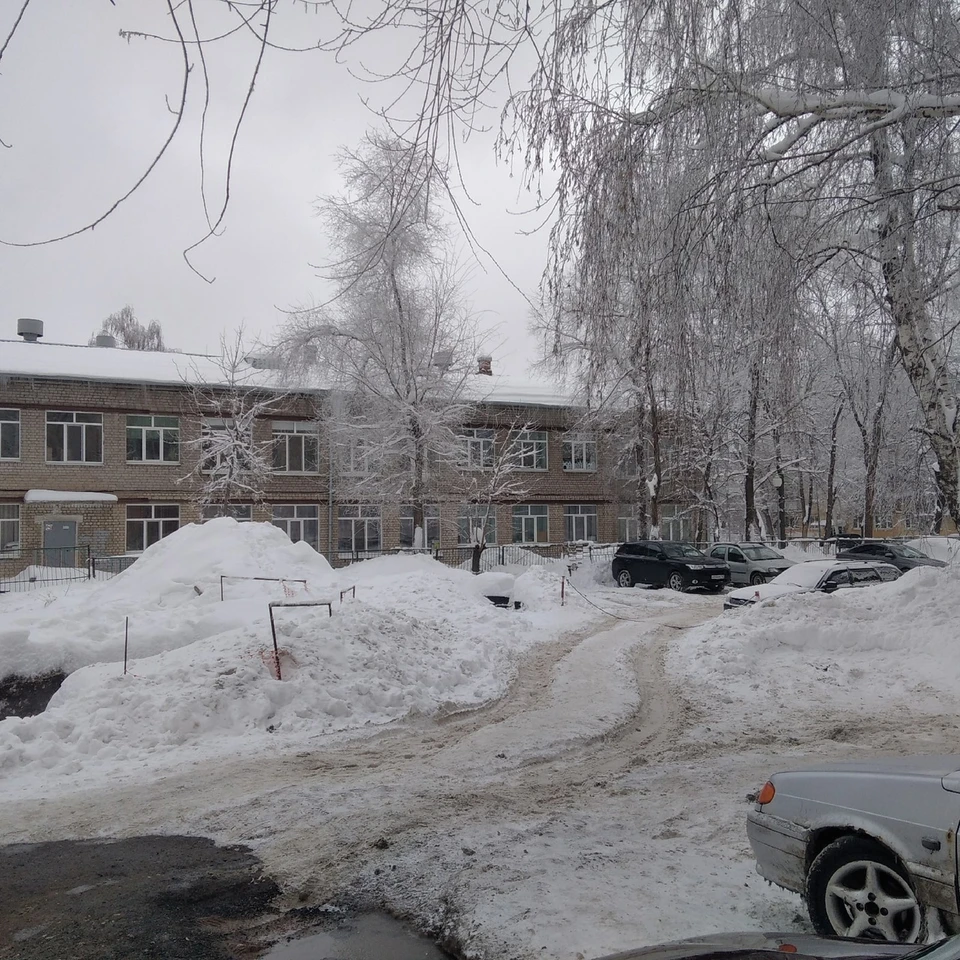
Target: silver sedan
x: 872, y: 846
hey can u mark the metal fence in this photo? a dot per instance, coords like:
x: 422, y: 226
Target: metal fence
x: 51, y: 565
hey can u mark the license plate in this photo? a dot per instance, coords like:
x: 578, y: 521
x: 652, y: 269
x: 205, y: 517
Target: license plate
x: 716, y: 576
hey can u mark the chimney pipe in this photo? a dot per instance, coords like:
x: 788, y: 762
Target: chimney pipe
x: 30, y: 330
x: 485, y: 366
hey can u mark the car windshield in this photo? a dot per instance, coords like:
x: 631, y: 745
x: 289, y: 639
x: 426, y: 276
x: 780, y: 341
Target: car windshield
x: 801, y: 575
x: 906, y: 551
x: 759, y: 552
x: 682, y: 550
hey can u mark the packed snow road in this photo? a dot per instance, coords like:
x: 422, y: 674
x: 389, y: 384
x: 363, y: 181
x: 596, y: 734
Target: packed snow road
x: 571, y: 817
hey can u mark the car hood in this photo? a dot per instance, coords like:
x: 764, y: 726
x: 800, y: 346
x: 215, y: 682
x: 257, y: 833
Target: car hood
x: 925, y: 562
x: 939, y: 766
x: 767, y: 591
x: 807, y: 945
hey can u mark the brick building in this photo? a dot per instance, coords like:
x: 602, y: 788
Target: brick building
x: 98, y: 449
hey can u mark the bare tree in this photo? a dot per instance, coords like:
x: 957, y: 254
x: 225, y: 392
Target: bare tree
x: 397, y: 342
x: 130, y: 333
x: 230, y: 465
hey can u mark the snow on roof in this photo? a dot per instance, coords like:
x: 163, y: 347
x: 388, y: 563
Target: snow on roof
x: 113, y: 364
x: 66, y: 496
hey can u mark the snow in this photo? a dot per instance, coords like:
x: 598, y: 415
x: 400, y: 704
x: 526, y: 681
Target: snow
x: 946, y: 549
x: 556, y: 781
x: 67, y: 496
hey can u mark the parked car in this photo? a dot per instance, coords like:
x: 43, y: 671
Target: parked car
x: 750, y: 562
x: 825, y: 576
x: 901, y: 555
x: 871, y: 845
x: 772, y: 946
x: 668, y: 563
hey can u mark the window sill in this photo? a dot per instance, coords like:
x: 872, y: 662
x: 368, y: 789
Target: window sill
x: 74, y: 463
x: 579, y: 469
x: 533, y: 469
x: 10, y: 459
x: 153, y: 463
x: 300, y: 473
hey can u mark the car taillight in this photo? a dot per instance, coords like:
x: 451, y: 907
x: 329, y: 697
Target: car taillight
x: 767, y: 793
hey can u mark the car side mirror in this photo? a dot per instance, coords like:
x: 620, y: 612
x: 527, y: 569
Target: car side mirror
x: 831, y: 587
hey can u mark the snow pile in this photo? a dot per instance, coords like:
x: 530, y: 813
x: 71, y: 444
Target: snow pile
x: 820, y: 654
x: 418, y: 637
x: 946, y: 549
x: 171, y: 596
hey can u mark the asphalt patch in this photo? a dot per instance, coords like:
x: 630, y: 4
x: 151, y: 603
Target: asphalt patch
x: 27, y: 696
x: 169, y: 898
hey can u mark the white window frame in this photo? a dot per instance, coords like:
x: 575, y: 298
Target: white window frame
x: 358, y: 458
x: 576, y: 519
x: 365, y: 519
x: 295, y: 525
x: 241, y: 512
x: 164, y: 526
x: 87, y: 426
x: 162, y: 430
x: 477, y: 448
x: 628, y: 524
x: 470, y: 516
x: 530, y: 448
x: 431, y: 524
x: 10, y: 531
x: 531, y: 519
x: 579, y: 453
x: 298, y: 433
x: 674, y: 519
x: 9, y: 424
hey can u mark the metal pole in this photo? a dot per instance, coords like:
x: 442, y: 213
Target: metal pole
x: 563, y: 585
x: 276, y: 649
x: 221, y: 586
x: 126, y: 641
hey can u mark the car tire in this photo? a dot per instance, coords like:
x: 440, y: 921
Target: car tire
x: 756, y: 579
x: 624, y: 578
x: 869, y: 876
x: 676, y: 582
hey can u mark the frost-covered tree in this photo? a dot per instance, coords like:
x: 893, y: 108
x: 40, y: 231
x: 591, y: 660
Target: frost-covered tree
x: 396, y: 342
x: 230, y: 465
x: 130, y: 333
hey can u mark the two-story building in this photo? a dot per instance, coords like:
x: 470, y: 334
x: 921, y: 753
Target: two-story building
x: 99, y: 449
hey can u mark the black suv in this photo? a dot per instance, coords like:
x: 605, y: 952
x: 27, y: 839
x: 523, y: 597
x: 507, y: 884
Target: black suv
x: 667, y: 563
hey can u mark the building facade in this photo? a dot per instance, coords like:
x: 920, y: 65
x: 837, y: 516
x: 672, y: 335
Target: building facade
x: 99, y: 453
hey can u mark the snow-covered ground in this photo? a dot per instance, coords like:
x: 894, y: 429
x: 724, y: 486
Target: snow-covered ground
x: 554, y: 782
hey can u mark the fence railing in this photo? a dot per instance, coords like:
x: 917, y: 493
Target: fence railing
x: 50, y: 565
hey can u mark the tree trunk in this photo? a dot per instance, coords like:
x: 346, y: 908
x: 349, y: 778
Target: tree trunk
x: 751, y: 522
x: 475, y: 558
x: 832, y: 471
x: 653, y: 484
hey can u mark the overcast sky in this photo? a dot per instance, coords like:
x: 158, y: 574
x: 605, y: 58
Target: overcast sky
x: 84, y: 112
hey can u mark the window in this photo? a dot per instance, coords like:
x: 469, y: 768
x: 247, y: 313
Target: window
x: 581, y: 521
x: 74, y: 437
x: 472, y: 518
x: 9, y: 530
x: 153, y: 439
x: 579, y: 452
x: 359, y: 528
x: 530, y: 523
x: 674, y: 523
x: 883, y: 521
x: 241, y: 512
x: 149, y: 522
x: 736, y: 556
x: 628, y: 524
x: 530, y: 449
x: 864, y: 576
x: 359, y: 457
x: 431, y: 517
x: 296, y: 447
x: 477, y: 449
x: 299, y: 522
x: 719, y: 553
x: 9, y: 434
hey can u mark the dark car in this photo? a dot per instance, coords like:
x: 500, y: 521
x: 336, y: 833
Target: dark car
x: 899, y: 554
x: 667, y: 563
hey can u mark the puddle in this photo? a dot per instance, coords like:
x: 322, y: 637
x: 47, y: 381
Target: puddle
x: 368, y: 937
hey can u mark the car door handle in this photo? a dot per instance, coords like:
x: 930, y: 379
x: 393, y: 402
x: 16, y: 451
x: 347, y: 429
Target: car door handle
x: 931, y: 844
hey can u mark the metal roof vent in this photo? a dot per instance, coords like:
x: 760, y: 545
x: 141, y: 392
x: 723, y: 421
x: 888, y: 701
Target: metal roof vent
x: 485, y: 365
x: 105, y: 340
x: 30, y: 330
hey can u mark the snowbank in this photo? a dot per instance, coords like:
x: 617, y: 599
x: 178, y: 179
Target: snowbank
x: 418, y: 637
x: 815, y: 656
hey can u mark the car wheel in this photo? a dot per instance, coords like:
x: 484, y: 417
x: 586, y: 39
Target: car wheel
x: 624, y: 578
x: 857, y: 888
x: 756, y: 579
x: 675, y: 582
